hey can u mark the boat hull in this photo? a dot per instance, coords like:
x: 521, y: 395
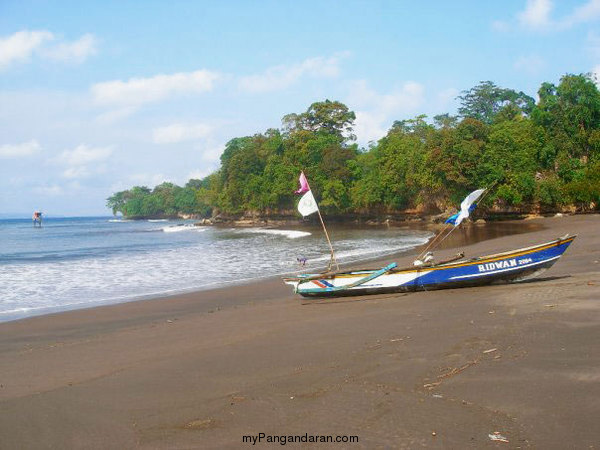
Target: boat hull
x: 514, y: 266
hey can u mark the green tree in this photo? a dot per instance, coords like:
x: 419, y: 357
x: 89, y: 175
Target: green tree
x: 117, y: 201
x: 456, y: 161
x: 135, y: 200
x: 510, y: 159
x: 485, y: 100
x: 445, y: 121
x: 570, y: 116
x: 330, y: 117
x: 185, y: 200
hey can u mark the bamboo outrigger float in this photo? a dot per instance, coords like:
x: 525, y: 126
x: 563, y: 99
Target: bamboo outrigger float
x: 512, y: 266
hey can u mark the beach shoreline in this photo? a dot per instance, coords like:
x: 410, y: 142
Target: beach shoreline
x: 202, y: 369
x: 471, y: 233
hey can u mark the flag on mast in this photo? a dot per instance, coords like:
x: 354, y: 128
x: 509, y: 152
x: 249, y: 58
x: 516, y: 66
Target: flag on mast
x: 307, y: 204
x: 467, y: 205
x: 304, y: 187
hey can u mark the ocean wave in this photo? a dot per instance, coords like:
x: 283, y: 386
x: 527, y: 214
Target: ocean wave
x: 178, y: 228
x: 78, y: 271
x: 292, y: 234
x: 372, y: 252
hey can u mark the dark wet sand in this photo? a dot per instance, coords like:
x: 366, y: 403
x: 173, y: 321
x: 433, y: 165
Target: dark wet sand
x: 441, y: 369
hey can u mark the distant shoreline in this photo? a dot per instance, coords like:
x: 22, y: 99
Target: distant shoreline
x: 274, y: 220
x: 242, y: 220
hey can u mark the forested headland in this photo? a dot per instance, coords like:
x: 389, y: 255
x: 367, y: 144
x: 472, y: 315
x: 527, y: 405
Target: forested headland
x: 540, y: 157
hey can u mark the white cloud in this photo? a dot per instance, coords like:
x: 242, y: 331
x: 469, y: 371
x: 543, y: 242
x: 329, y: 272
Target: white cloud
x: 210, y: 156
x: 115, y: 115
x: 180, y: 132
x: 531, y: 64
x: 198, y: 174
x: 536, y: 14
x: 19, y: 46
x: 146, y: 179
x: 73, y: 52
x: 370, y: 126
x: 447, y: 97
x: 83, y: 161
x: 76, y: 172
x: 52, y: 190
x: 83, y: 154
x: 19, y: 150
x: 281, y: 77
x: 212, y: 153
x: 445, y: 100
x: 404, y: 99
x: 74, y: 185
x: 375, y: 112
x: 587, y: 12
x: 139, y: 91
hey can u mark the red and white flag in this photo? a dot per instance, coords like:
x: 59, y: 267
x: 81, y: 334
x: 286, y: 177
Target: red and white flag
x: 307, y: 204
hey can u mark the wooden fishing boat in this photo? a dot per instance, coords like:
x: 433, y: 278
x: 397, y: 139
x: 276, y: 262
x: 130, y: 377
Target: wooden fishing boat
x: 512, y: 266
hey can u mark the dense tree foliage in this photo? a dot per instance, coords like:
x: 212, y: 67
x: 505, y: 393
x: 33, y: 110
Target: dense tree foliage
x: 486, y: 102
x: 543, y: 156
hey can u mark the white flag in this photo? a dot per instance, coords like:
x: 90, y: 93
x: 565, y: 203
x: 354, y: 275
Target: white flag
x: 466, y: 205
x: 307, y: 204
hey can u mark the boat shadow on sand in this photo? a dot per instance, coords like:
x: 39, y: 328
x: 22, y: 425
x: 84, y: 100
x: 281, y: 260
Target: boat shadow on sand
x: 376, y: 297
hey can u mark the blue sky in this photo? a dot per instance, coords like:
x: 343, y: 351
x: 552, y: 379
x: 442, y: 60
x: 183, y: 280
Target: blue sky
x: 97, y: 97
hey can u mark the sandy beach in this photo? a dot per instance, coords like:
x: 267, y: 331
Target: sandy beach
x: 440, y: 369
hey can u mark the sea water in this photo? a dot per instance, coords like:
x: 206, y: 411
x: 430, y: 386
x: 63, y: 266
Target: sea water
x: 73, y: 263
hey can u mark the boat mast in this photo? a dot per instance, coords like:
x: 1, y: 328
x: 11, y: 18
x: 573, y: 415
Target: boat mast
x: 332, y: 260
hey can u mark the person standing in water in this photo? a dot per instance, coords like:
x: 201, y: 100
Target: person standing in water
x: 37, y: 218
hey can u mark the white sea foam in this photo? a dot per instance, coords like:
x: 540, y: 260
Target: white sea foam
x: 292, y: 234
x: 118, y: 220
x: 158, y: 220
x: 178, y: 228
x: 369, y: 252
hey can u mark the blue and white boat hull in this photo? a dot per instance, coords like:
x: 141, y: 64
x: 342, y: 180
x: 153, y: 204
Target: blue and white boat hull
x: 514, y: 266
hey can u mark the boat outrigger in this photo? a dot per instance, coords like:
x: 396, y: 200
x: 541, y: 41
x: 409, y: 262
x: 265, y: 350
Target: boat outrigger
x: 512, y: 266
